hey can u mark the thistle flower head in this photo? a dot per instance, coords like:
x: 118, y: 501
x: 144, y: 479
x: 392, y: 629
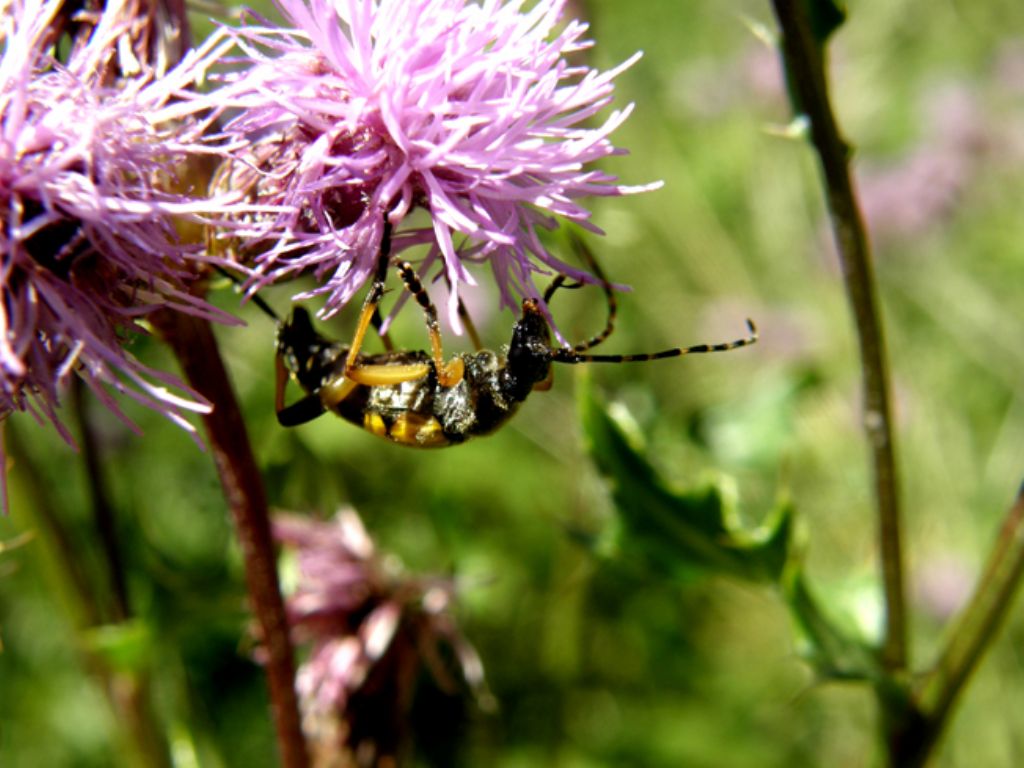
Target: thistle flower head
x: 90, y: 193
x: 370, y: 631
x: 366, y: 109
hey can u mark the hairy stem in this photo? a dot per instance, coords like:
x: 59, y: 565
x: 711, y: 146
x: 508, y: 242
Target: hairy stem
x: 196, y: 348
x: 803, y: 61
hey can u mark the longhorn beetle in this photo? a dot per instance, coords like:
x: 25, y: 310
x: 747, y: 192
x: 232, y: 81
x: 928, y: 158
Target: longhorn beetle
x: 418, y: 399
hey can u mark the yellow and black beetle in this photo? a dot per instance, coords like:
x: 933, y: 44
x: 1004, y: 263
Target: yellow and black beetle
x: 419, y: 399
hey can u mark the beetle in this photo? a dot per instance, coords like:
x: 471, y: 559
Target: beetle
x: 417, y: 398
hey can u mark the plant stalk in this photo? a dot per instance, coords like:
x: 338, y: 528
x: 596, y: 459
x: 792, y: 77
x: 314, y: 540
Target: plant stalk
x: 102, y: 511
x: 803, y: 59
x: 194, y: 344
x: 972, y: 634
x: 126, y: 692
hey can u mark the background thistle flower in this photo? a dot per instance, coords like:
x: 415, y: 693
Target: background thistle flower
x: 370, y: 109
x: 371, y: 631
x: 92, y: 166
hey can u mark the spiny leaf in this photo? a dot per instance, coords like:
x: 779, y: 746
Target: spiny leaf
x: 835, y: 651
x: 677, y: 530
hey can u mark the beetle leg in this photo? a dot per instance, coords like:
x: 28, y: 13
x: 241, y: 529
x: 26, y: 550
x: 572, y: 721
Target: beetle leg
x: 301, y: 411
x: 373, y: 297
x: 546, y: 383
x: 280, y: 382
x: 470, y: 328
x: 448, y: 374
x: 336, y: 390
x: 386, y: 375
x: 377, y: 321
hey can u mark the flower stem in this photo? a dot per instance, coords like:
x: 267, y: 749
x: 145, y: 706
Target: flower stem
x: 196, y: 348
x: 802, y: 55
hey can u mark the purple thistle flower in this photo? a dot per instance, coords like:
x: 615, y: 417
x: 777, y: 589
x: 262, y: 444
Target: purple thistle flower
x: 370, y: 632
x: 374, y: 108
x: 92, y: 174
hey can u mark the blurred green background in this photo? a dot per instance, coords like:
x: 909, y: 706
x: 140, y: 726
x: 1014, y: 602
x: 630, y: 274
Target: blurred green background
x: 594, y: 660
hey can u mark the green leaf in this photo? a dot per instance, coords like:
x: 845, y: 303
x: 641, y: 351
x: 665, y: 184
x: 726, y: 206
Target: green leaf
x: 834, y: 650
x: 677, y: 530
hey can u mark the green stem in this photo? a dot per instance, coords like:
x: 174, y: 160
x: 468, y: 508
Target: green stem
x: 102, y: 511
x: 196, y: 348
x: 65, y: 550
x: 973, y: 633
x: 802, y: 54
x: 127, y: 692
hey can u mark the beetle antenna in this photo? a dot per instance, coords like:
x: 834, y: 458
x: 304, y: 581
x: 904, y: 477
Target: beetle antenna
x: 572, y: 357
x: 255, y: 298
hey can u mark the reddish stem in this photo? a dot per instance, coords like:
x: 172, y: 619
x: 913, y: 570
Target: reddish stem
x: 196, y: 348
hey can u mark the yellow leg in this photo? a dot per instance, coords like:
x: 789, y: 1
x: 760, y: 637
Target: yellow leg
x: 335, y: 391
x: 365, y: 317
x: 373, y: 297
x: 448, y: 374
x: 280, y: 382
x: 386, y: 375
